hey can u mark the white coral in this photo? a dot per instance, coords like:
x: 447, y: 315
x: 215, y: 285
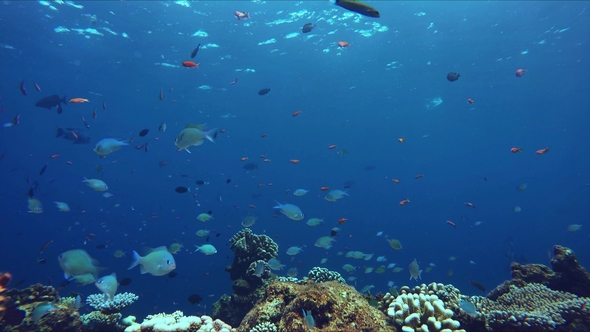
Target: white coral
x: 422, y: 313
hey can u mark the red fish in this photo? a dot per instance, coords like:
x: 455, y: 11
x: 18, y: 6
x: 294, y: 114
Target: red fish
x: 451, y: 223
x: 343, y: 44
x: 520, y: 72
x: 23, y: 90
x: 542, y: 151
x: 404, y: 202
x: 296, y: 113
x: 240, y: 15
x: 471, y: 101
x: 190, y: 64
x: 418, y: 176
x: 332, y: 146
x: 516, y: 150
x: 342, y: 220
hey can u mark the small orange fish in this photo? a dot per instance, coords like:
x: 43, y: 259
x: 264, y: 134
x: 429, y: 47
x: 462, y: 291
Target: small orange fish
x: 470, y: 205
x: 471, y: 101
x: 190, y: 64
x: 244, y: 158
x: 395, y: 180
x: 516, y: 150
x: 294, y: 161
x: 418, y: 176
x: 343, y: 44
x: 342, y: 221
x: 44, y: 246
x: 53, y: 156
x: 542, y: 151
x: 325, y: 188
x: 78, y: 100
x: 404, y: 202
x: 520, y: 72
x: 332, y: 146
x: 401, y: 139
x: 451, y: 223
x: 296, y: 113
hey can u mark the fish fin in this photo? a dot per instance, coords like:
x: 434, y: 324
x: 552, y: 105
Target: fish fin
x: 211, y: 135
x: 142, y: 269
x: 161, y: 248
x: 187, y: 150
x: 136, y: 260
x: 196, y: 126
x: 67, y: 276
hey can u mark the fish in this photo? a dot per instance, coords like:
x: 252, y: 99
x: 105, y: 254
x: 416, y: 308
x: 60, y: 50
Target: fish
x: 542, y: 151
x: 519, y: 72
x: 194, y: 52
x: 206, y: 249
x: 78, y: 100
x: 415, y: 272
x: 275, y: 264
x: 404, y: 202
x: 107, y: 146
x: 471, y: 205
x: 234, y: 81
x: 61, y: 206
x: 157, y: 262
x: 161, y: 95
x: 51, y: 101
x: 291, y: 251
x: 96, y: 184
x: 77, y: 262
x: 477, y: 285
x: 308, y: 319
x: 162, y: 127
x: 264, y: 91
x: 240, y: 15
x: 22, y: 88
x: 37, y: 87
x: 343, y: 44
x: 452, y: 77
x: 193, y: 135
x: 358, y: 7
x: 292, y: 211
x: 307, y: 27
x: 43, y: 169
x: 515, y: 150
x: 73, y: 134
x: 300, y: 192
x: 143, y: 132
x: 181, y: 190
x: 190, y: 64
x: 107, y: 285
x: 35, y: 206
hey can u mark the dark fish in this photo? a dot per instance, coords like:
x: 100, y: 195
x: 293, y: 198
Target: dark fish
x: 477, y: 285
x: 194, y: 52
x: 172, y: 274
x: 22, y: 88
x: 50, y: 101
x: 264, y: 91
x: 100, y: 246
x: 195, y: 298
x: 181, y: 190
x: 452, y: 77
x: 43, y: 170
x: 250, y: 166
x: 228, y: 181
x: 200, y: 182
x: 307, y: 28
x: 144, y: 132
x: 125, y: 282
x: 217, y: 235
x: 73, y: 134
x: 358, y: 7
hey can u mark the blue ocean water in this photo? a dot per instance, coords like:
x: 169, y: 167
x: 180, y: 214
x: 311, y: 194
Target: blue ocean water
x: 389, y: 83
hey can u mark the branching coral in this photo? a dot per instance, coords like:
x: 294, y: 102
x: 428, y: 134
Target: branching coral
x: 178, y: 322
x: 106, y: 306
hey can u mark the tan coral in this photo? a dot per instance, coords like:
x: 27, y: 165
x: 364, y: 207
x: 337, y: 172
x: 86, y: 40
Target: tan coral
x: 333, y: 305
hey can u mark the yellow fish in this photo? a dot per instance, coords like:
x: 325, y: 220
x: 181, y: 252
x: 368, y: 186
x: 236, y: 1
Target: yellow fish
x: 193, y: 135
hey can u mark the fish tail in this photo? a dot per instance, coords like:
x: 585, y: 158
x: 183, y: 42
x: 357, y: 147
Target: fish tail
x: 211, y: 134
x: 63, y: 100
x: 136, y: 260
x: 60, y: 132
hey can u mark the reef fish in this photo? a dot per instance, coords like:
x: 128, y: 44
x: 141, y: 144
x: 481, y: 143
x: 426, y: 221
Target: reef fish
x: 50, y: 101
x: 107, y: 285
x: 73, y: 134
x: 108, y: 145
x: 415, y: 272
x: 193, y: 135
x: 290, y: 210
x: 207, y: 249
x: 452, y: 77
x: 157, y: 262
x: 77, y: 262
x: 307, y: 27
x: 358, y: 7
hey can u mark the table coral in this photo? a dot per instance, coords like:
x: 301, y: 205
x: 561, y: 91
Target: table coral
x: 334, y: 306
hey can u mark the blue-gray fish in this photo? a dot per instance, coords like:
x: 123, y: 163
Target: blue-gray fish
x: 50, y: 101
x: 157, y: 262
x: 107, y: 285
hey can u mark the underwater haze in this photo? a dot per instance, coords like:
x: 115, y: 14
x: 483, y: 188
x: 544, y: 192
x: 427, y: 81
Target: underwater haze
x: 374, y: 116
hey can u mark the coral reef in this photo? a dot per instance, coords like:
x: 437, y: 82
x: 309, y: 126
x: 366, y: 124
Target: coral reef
x: 566, y: 275
x: 248, y: 248
x: 319, y: 274
x: 421, y: 309
x: 264, y: 327
x: 334, y: 306
x: 177, y: 321
x: 106, y: 306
